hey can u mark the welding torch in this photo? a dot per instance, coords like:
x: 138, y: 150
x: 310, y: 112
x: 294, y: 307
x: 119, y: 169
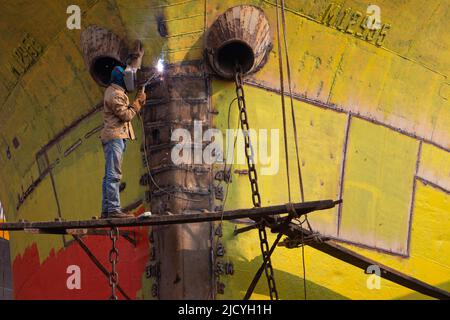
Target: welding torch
x: 153, y: 77
x: 159, y: 69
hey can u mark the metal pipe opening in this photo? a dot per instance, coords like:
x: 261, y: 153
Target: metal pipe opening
x: 101, y: 69
x: 102, y: 51
x: 240, y: 35
x: 235, y: 52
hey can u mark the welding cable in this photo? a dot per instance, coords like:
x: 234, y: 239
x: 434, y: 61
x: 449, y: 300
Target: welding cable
x: 232, y: 159
x: 216, y: 243
x: 294, y: 124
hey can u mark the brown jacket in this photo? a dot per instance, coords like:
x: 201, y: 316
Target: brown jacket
x: 117, y: 113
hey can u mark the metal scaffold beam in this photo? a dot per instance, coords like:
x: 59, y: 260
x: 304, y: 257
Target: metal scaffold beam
x: 76, y: 227
x: 282, y: 226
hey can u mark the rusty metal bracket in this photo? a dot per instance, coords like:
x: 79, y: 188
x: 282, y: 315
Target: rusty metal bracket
x: 223, y: 176
x: 218, y: 193
x: 220, y: 250
x: 155, y: 291
x: 153, y: 271
x: 219, y: 231
x: 220, y: 288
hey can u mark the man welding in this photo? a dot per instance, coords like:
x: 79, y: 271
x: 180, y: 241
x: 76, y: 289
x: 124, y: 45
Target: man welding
x: 117, y: 130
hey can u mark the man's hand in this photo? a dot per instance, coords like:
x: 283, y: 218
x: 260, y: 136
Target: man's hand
x: 139, y: 101
x: 141, y: 96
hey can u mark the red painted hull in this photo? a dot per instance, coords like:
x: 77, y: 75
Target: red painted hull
x: 48, y: 280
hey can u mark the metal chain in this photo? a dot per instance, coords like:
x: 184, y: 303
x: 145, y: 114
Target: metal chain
x: 249, y: 153
x: 253, y: 177
x: 113, y: 259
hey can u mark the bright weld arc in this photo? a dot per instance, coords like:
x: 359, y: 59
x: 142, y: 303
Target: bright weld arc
x: 160, y: 66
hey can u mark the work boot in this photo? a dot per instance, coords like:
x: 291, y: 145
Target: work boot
x: 119, y: 214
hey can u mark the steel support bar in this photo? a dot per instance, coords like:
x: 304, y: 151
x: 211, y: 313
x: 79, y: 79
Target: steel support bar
x: 130, y: 236
x: 245, y: 229
x: 294, y: 231
x: 97, y: 263
x: 258, y: 274
x: 253, y: 213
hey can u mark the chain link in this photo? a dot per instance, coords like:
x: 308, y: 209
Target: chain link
x: 253, y: 177
x: 113, y: 259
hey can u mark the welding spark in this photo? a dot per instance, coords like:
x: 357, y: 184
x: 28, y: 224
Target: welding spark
x: 160, y: 66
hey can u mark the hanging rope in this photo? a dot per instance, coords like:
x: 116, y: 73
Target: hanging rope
x: 294, y: 124
x: 283, y: 106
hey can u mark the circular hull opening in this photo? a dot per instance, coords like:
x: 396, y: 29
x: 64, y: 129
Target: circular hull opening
x: 101, y: 69
x: 235, y: 52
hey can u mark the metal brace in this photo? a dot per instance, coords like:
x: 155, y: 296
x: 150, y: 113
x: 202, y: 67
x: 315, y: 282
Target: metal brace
x: 220, y: 288
x: 220, y: 250
x: 218, y: 192
x: 223, y: 176
x: 152, y: 271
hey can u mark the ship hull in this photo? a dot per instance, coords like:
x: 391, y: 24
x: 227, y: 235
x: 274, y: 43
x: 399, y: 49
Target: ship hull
x: 371, y: 107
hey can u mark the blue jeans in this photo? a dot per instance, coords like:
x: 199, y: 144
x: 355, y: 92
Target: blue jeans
x: 113, y: 150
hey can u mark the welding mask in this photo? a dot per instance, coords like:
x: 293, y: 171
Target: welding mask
x: 130, y: 78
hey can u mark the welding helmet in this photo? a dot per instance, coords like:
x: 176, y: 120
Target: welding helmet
x: 130, y: 78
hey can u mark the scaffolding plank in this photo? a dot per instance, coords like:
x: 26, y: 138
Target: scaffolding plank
x: 253, y: 213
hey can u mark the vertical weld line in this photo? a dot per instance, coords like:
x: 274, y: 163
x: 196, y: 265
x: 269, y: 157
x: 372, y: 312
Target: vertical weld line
x: 58, y: 206
x: 413, y: 198
x: 344, y: 162
x: 338, y: 68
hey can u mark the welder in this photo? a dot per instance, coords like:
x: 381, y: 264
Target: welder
x: 117, y: 131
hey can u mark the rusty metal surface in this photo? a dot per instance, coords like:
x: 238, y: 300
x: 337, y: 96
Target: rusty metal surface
x: 6, y: 286
x: 175, y: 103
x: 98, y: 43
x: 245, y: 24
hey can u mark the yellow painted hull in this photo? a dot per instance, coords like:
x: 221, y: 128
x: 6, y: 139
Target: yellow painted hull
x: 374, y: 129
